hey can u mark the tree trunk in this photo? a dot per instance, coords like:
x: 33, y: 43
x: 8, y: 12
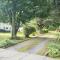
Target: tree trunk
x: 13, y: 29
x: 17, y: 25
x: 13, y: 33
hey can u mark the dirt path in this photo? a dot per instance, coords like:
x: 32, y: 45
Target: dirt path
x: 20, y: 45
x: 35, y: 49
x: 38, y: 47
x: 13, y: 55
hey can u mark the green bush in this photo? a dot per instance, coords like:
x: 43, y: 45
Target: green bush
x: 3, y: 43
x: 44, y: 31
x: 28, y: 30
x: 7, y: 43
x: 54, y: 50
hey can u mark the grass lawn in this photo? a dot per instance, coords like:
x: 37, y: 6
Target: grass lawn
x: 7, y: 35
x: 21, y: 34
x: 4, y: 36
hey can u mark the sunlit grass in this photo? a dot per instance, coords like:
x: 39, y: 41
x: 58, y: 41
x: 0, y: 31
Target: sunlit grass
x: 21, y: 34
x: 4, y: 36
x: 54, y: 32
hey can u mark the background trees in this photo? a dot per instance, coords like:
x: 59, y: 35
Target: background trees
x: 15, y: 12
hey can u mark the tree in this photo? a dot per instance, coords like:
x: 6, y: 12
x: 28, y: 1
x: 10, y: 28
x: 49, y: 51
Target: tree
x: 17, y: 11
x: 42, y: 11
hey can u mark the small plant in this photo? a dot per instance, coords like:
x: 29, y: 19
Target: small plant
x: 7, y: 43
x: 28, y: 30
x: 44, y: 31
x: 54, y: 50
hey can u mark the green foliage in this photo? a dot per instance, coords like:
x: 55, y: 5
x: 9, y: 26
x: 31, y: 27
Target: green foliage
x: 28, y: 30
x: 44, y: 31
x: 7, y: 43
x: 51, y: 27
x: 17, y: 11
x: 24, y: 10
x: 33, y: 23
x: 54, y: 49
x: 40, y: 24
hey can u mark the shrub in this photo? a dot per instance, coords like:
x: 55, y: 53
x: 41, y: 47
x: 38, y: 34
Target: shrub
x: 28, y: 30
x: 54, y: 50
x: 3, y: 43
x: 44, y: 31
x: 10, y: 42
x: 7, y: 43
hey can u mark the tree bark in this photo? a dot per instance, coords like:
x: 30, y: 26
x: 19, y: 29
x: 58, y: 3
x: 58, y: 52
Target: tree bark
x: 13, y: 35
x: 17, y: 25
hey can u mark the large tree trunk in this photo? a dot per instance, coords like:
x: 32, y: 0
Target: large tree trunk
x: 15, y: 27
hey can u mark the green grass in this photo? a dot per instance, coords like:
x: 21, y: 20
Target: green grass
x: 4, y: 36
x: 21, y: 34
x: 8, y: 35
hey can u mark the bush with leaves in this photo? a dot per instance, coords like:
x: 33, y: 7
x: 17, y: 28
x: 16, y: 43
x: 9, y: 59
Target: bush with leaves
x: 7, y: 43
x: 54, y: 49
x: 28, y: 30
x: 44, y: 30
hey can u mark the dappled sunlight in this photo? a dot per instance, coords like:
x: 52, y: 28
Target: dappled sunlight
x: 48, y: 36
x: 29, y: 26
